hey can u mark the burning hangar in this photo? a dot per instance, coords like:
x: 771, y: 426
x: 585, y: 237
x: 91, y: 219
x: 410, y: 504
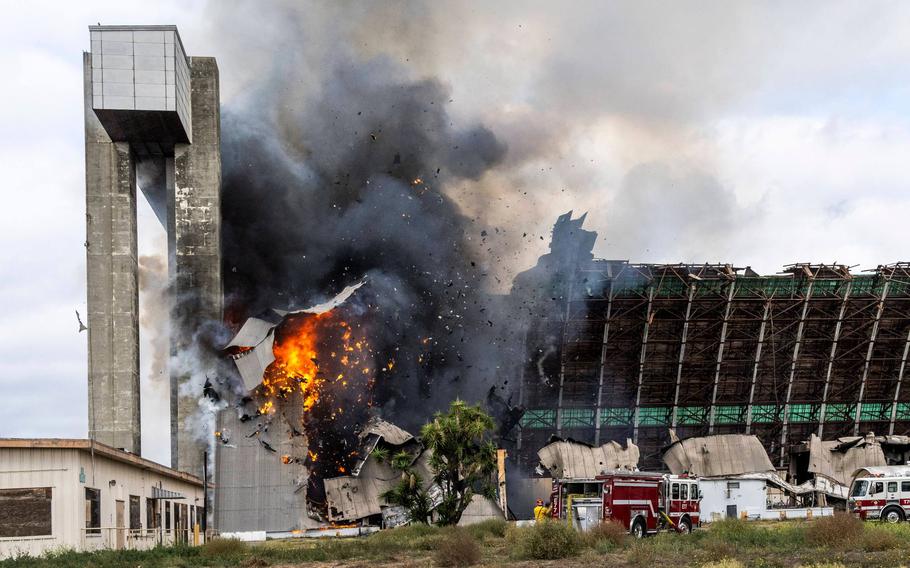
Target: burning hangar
x: 614, y: 351
x: 619, y: 350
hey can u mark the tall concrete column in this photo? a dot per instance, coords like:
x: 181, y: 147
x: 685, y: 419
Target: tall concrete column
x: 194, y: 227
x: 113, y: 283
x: 149, y: 107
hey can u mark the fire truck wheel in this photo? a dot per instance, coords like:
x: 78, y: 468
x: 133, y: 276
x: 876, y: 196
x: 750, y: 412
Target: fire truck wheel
x: 685, y: 526
x: 638, y: 529
x: 893, y: 515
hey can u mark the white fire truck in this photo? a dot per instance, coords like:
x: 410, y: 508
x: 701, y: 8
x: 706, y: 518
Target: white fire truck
x: 643, y: 502
x: 881, y: 493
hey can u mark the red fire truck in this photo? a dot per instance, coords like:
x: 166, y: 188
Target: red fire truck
x: 881, y: 493
x: 643, y: 502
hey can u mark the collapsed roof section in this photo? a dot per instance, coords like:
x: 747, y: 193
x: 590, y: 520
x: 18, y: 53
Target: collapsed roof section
x: 837, y: 460
x: 568, y: 459
x: 721, y: 455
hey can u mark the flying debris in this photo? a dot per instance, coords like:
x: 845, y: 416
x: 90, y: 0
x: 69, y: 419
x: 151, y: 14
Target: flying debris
x: 82, y: 326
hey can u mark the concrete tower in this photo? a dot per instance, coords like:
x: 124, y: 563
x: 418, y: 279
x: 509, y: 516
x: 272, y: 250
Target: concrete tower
x: 152, y: 114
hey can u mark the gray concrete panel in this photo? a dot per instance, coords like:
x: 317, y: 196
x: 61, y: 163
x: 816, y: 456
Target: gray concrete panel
x: 195, y: 231
x: 112, y: 279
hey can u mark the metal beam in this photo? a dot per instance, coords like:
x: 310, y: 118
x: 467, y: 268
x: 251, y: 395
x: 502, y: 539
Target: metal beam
x: 641, y: 363
x: 897, y: 388
x: 682, y: 354
x: 756, y: 361
x: 562, y: 354
x: 603, y: 362
x: 868, y: 363
x: 831, y: 355
x: 720, y: 356
x: 793, y: 360
x: 521, y: 389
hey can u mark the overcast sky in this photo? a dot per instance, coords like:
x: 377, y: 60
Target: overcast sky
x: 759, y: 134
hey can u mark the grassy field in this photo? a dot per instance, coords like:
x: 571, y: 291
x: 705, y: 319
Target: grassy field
x: 822, y: 543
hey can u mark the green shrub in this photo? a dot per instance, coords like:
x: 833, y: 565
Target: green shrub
x: 224, y: 548
x: 457, y: 548
x: 841, y: 530
x: 548, y: 540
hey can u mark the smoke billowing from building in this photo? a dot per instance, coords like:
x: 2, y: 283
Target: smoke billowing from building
x: 324, y: 187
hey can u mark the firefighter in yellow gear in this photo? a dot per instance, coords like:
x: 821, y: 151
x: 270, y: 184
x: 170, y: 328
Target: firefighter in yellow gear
x: 541, y: 511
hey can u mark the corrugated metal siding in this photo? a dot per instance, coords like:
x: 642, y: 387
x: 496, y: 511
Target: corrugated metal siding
x: 60, y: 470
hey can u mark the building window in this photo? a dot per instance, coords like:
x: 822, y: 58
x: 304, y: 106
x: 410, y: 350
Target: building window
x: 578, y: 418
x: 728, y: 414
x: 766, y: 413
x: 692, y: 415
x: 152, y: 514
x: 870, y: 411
x: 539, y: 419
x: 804, y: 413
x: 167, y: 515
x: 654, y: 416
x: 92, y: 511
x: 134, y: 513
x: 25, y: 512
x: 616, y: 416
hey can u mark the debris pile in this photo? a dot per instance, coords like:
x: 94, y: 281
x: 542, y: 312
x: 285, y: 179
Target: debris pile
x: 357, y: 496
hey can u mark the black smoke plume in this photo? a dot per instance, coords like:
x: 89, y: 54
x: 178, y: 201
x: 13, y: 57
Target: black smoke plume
x: 350, y: 181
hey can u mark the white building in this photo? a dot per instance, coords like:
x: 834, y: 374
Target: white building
x: 749, y: 497
x: 76, y: 494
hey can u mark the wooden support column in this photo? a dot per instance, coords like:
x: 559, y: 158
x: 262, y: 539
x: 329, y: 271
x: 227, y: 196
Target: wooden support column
x: 831, y: 355
x: 720, y: 356
x: 862, y: 385
x: 562, y: 354
x: 755, y: 362
x: 682, y: 355
x: 603, y: 362
x: 800, y: 328
x: 641, y: 363
x: 897, y: 388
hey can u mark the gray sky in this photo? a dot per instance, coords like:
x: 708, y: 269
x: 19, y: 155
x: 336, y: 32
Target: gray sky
x: 759, y: 134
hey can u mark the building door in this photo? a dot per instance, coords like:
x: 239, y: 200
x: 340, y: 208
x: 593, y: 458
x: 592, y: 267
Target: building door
x: 731, y: 511
x: 120, y: 525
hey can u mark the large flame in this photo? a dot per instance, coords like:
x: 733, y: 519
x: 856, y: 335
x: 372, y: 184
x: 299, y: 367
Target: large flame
x: 296, y: 364
x: 324, y: 364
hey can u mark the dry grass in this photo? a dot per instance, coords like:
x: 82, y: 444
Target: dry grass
x: 725, y: 563
x: 457, y: 548
x: 838, y: 531
x: 224, y: 547
x: 606, y: 536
